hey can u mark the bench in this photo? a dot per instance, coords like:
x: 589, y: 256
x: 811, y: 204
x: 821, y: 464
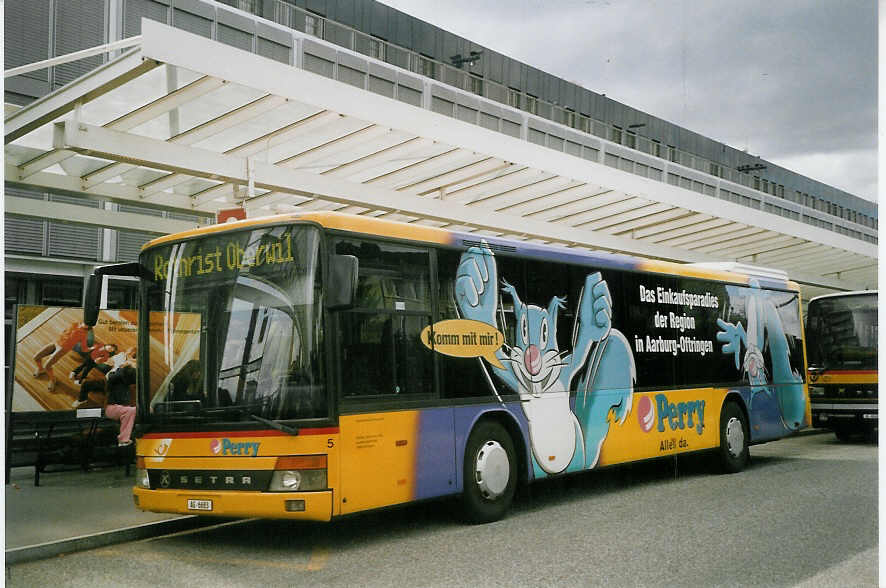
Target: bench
x: 64, y: 437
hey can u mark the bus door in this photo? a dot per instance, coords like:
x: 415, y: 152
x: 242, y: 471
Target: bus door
x: 386, y: 377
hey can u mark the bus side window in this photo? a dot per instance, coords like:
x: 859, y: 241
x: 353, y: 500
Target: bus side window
x: 467, y: 377
x: 382, y: 353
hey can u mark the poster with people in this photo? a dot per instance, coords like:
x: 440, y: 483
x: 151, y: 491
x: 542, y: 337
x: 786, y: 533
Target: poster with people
x: 61, y: 364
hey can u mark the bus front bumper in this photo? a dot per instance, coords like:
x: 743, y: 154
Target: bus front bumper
x: 309, y: 506
x: 831, y: 415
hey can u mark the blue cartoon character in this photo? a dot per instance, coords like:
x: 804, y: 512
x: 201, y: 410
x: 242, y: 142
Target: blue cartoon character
x: 765, y: 330
x: 562, y: 438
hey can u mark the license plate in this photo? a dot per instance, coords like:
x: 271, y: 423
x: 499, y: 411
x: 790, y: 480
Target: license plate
x: 199, y: 504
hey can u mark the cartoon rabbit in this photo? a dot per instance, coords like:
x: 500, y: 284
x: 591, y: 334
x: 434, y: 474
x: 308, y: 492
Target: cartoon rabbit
x: 542, y: 374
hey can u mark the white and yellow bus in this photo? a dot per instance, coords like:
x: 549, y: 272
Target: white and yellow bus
x: 841, y: 338
x: 314, y: 365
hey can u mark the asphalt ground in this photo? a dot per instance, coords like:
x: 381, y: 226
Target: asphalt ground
x: 73, y: 510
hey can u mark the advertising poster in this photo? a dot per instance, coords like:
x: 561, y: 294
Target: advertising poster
x: 62, y: 365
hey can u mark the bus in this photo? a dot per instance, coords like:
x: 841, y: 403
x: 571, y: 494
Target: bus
x: 841, y: 340
x: 315, y: 365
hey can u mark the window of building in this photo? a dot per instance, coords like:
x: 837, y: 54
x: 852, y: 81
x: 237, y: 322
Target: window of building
x: 672, y: 153
x: 314, y: 25
x: 56, y: 291
x: 246, y: 5
x: 531, y: 104
x: 514, y: 98
x: 569, y: 118
x: 656, y: 148
x: 427, y: 66
x: 475, y: 84
x: 283, y: 14
x: 631, y: 139
x: 615, y: 134
x: 584, y: 123
x: 14, y: 293
x: 377, y: 48
x: 756, y: 183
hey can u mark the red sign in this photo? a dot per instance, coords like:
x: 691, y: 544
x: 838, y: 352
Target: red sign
x: 230, y: 215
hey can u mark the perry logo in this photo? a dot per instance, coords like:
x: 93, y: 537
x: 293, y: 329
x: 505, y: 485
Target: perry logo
x: 228, y: 447
x: 645, y: 413
x: 679, y: 415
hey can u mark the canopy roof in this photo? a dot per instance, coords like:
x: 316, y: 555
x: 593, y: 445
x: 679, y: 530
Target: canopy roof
x: 183, y: 123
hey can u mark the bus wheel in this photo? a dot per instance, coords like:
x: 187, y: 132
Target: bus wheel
x: 490, y: 473
x: 843, y: 433
x: 734, y: 437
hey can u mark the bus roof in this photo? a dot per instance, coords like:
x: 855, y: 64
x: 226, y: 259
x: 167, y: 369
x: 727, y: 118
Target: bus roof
x: 727, y: 272
x: 846, y: 294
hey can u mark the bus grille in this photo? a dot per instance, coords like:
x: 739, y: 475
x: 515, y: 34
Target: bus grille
x: 258, y: 480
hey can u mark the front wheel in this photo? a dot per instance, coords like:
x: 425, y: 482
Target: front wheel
x: 734, y: 453
x: 490, y: 473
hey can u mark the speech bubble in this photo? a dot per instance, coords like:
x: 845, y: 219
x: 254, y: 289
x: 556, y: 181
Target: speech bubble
x: 464, y: 338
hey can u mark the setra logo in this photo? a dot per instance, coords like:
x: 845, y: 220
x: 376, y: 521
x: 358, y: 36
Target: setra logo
x: 645, y: 414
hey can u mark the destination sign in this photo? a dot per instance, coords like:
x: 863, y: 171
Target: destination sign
x: 227, y: 256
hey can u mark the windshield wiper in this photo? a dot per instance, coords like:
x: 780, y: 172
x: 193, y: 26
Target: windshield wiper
x: 274, y: 424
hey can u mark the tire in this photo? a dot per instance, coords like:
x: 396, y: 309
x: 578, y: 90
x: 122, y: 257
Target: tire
x: 733, y: 452
x: 843, y: 434
x: 490, y: 473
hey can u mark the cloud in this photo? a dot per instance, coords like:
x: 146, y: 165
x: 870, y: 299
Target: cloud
x: 792, y: 81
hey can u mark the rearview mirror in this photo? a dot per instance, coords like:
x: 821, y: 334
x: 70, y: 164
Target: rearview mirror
x: 92, y: 298
x: 342, y: 282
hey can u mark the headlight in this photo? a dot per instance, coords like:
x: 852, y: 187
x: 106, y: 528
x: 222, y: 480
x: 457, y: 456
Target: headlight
x: 141, y: 473
x: 302, y: 473
x: 141, y: 479
x: 290, y: 480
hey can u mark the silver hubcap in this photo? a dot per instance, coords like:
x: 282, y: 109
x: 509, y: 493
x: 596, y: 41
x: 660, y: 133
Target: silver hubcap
x: 492, y: 470
x: 734, y: 437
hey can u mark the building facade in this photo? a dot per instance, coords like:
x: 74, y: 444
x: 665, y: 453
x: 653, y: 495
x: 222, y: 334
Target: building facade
x: 46, y: 260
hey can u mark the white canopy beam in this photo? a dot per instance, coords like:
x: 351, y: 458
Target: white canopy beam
x: 97, y: 82
x: 157, y: 154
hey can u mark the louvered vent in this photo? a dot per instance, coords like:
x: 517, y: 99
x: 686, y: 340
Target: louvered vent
x: 129, y: 244
x: 24, y: 235
x: 68, y: 240
x: 491, y: 246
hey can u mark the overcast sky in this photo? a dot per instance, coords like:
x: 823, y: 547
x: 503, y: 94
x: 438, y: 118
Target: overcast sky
x: 793, y: 81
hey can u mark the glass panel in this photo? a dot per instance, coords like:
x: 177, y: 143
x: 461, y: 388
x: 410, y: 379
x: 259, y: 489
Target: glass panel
x: 382, y: 354
x: 391, y: 276
x: 236, y: 327
x: 842, y: 332
x: 62, y: 292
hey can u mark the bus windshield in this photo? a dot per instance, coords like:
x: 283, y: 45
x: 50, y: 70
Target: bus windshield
x: 842, y: 332
x: 235, y: 328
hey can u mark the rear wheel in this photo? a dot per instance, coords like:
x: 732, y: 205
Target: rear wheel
x: 734, y: 453
x: 843, y: 433
x: 490, y: 473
